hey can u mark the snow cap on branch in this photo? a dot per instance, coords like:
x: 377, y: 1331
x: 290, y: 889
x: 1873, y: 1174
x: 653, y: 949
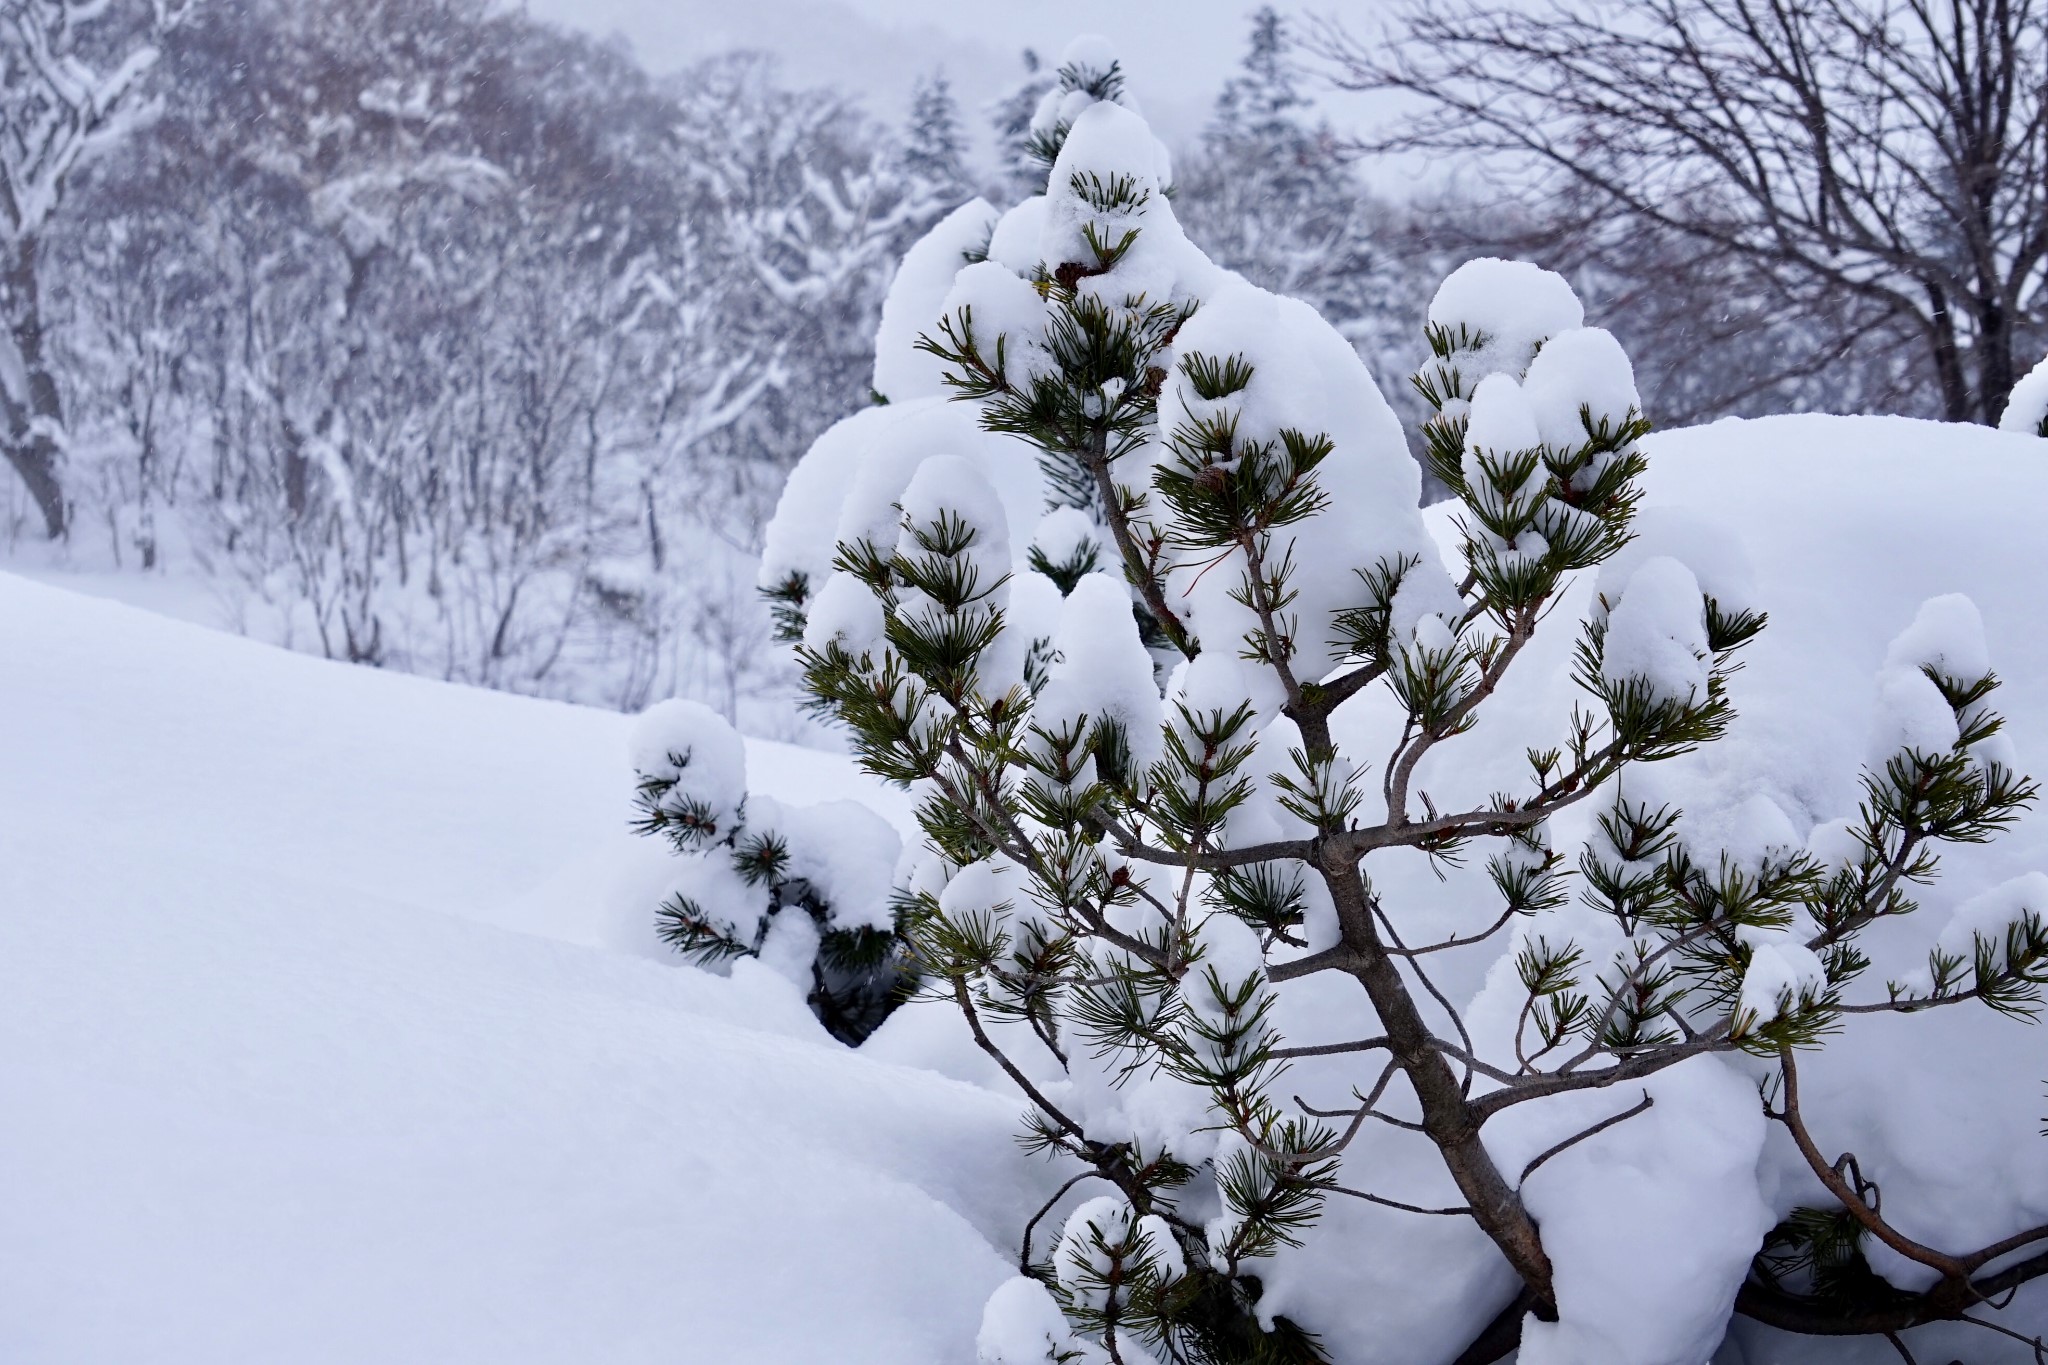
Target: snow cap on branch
x: 993, y: 886
x: 1109, y: 182
x: 845, y: 612
x: 1022, y: 1325
x: 1090, y: 53
x: 1014, y: 243
x: 842, y: 850
x: 1501, y: 421
x: 1581, y: 375
x: 1718, y: 560
x: 1946, y: 638
x: 1499, y: 312
x: 1947, y: 635
x: 2026, y: 411
x: 801, y: 538
x: 1102, y: 670
x: 1090, y: 73
x: 999, y: 302
x: 728, y: 901
x: 688, y: 745
x: 1110, y: 1219
x: 1782, y: 973
x: 1068, y: 535
x: 1657, y: 633
x: 917, y: 298
x: 847, y: 490
x: 1984, y: 919
x: 1305, y: 379
x: 951, y: 486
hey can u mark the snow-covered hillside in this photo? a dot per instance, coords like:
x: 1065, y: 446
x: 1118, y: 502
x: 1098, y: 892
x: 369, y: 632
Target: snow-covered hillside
x: 278, y: 1081
x: 264, y: 1097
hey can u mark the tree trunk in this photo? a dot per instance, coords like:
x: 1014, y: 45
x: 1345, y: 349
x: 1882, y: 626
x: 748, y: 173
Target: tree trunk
x: 32, y: 416
x: 1446, y: 1116
x: 1994, y: 361
x: 1948, y: 361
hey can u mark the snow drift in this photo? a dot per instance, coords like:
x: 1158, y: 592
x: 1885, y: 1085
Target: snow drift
x: 263, y: 1097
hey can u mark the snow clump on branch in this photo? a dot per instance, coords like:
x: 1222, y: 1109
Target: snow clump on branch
x: 2026, y: 411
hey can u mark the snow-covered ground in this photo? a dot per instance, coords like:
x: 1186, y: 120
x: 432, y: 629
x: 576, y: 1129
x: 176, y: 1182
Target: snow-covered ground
x: 277, y: 1084
x: 306, y: 1053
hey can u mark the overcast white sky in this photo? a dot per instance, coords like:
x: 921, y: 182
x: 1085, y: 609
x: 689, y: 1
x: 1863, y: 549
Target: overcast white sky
x: 1177, y: 52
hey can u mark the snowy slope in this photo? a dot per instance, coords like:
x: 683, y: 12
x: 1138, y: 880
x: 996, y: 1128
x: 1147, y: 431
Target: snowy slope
x: 344, y: 780
x: 261, y: 1098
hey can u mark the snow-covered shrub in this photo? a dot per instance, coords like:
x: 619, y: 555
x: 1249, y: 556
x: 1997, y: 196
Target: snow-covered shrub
x: 806, y: 889
x: 2027, y: 409
x: 1204, y: 832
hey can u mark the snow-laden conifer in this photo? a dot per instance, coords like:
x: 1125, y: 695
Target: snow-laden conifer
x: 1169, y: 799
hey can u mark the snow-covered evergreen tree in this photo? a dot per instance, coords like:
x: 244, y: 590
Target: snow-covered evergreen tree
x: 1009, y: 116
x: 1183, y: 726
x: 1263, y: 104
x: 934, y: 153
x: 1271, y: 195
x: 71, y: 83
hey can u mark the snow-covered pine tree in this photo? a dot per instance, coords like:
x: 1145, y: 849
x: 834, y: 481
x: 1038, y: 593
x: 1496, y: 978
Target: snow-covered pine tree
x: 1181, y: 812
x: 934, y: 156
x: 1270, y: 194
x: 1019, y: 175
x: 1263, y: 104
x: 805, y: 889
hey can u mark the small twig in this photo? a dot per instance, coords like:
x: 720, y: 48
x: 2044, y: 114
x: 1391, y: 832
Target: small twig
x: 1457, y: 1020
x: 1357, y: 1116
x: 1851, y: 1199
x: 2040, y: 1347
x: 1331, y: 1049
x: 981, y: 1040
x: 1024, y: 1256
x: 1977, y: 1259
x: 1459, y: 1210
x: 1456, y: 942
x: 1577, y: 1138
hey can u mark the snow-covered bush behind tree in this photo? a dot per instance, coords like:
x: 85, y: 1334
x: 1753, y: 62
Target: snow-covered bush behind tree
x: 803, y: 889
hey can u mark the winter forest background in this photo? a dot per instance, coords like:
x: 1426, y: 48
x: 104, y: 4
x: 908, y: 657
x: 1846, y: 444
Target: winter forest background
x: 429, y: 335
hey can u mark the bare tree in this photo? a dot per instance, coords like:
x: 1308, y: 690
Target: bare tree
x: 70, y: 73
x: 1859, y: 155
